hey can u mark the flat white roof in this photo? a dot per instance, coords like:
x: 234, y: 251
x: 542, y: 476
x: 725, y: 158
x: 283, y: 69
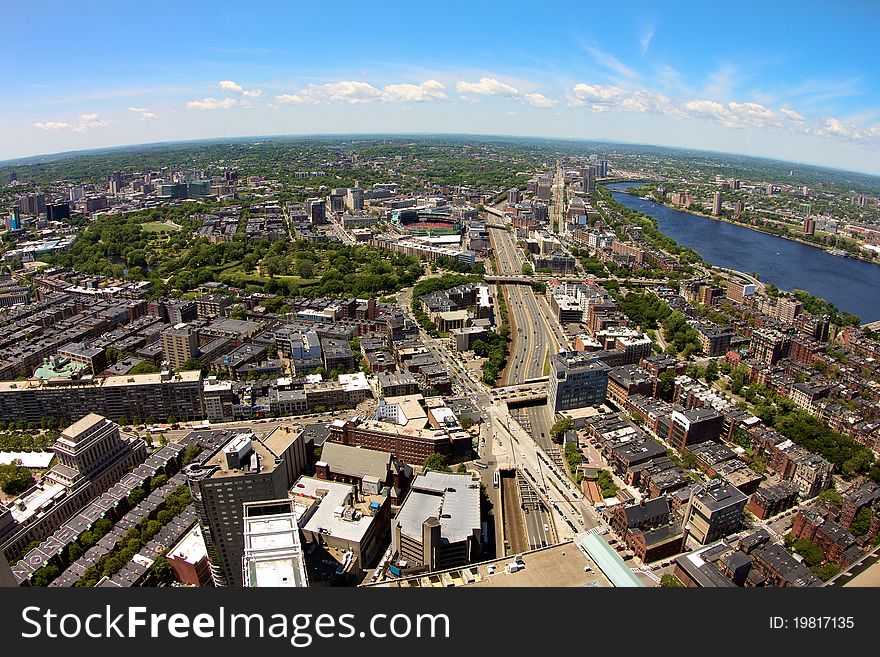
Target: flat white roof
x: 191, y: 547
x: 324, y: 516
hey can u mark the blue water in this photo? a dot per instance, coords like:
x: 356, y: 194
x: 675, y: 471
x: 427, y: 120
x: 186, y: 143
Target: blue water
x: 851, y: 285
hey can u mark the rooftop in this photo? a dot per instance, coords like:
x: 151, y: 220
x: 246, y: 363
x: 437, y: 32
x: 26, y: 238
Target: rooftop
x: 356, y: 461
x: 453, y: 498
x: 333, y: 497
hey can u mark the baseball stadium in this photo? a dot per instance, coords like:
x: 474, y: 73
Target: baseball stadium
x: 426, y: 221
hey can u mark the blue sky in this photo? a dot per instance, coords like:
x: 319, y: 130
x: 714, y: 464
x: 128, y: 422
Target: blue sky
x: 795, y: 81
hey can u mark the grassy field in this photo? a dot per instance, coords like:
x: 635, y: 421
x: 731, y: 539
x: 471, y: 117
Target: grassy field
x: 159, y: 227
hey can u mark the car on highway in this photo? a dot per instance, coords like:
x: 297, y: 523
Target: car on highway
x: 546, y: 527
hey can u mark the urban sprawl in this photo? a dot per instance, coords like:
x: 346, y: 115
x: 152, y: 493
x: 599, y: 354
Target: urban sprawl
x: 417, y: 363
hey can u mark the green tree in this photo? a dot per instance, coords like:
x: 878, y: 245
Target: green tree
x: 436, y: 462
x: 862, y: 522
x: 711, y: 373
x: 670, y: 581
x: 15, y: 478
x: 559, y: 428
x: 144, y: 368
x: 667, y: 384
x: 136, y: 496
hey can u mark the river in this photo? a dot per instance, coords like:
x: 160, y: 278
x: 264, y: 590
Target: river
x: 850, y: 284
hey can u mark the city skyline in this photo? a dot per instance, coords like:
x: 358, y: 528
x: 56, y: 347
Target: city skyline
x: 645, y: 78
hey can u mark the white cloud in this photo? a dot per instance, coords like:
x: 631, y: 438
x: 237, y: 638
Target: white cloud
x: 85, y: 122
x: 356, y: 92
x: 143, y: 113
x: 791, y: 114
x: 345, y: 91
x: 486, y: 87
x: 597, y: 97
x: 296, y: 99
x: 234, y: 87
x: 539, y: 100
x: 416, y: 93
x: 213, y: 104
x: 754, y: 114
x: 835, y: 128
x: 53, y: 125
x: 600, y: 98
x: 732, y: 115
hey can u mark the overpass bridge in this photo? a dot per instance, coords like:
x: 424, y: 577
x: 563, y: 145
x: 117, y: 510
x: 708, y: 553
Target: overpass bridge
x: 531, y: 392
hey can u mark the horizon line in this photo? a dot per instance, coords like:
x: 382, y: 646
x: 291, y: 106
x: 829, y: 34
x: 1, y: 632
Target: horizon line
x: 49, y: 157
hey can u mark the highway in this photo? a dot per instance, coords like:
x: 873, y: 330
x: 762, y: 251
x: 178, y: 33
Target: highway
x: 535, y: 333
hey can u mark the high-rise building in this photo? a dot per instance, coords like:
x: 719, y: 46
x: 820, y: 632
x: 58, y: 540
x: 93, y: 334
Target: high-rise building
x: 180, y: 343
x: 590, y: 178
x: 716, y: 204
x: 355, y: 198
x: 738, y: 292
x: 809, y: 226
x: 87, y: 447
x: 57, y: 211
x: 316, y: 211
x: 244, y: 469
x: 14, y: 219
x: 115, y: 182
x: 787, y: 309
x: 273, y: 555
x: 513, y: 196
x: 577, y: 379
x: 544, y: 190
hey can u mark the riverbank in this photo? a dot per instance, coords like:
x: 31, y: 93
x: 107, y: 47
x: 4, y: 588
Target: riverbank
x: 851, y: 285
x: 758, y: 229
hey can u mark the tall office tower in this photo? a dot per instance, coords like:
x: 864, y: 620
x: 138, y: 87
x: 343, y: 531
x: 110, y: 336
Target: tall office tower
x: 76, y: 193
x: 809, y: 226
x: 513, y: 196
x: 179, y: 344
x: 716, y: 204
x: 116, y: 181
x: 355, y: 198
x: 316, y: 211
x: 544, y: 190
x: 336, y: 200
x: 244, y: 469
x: 57, y: 211
x: 589, y: 174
